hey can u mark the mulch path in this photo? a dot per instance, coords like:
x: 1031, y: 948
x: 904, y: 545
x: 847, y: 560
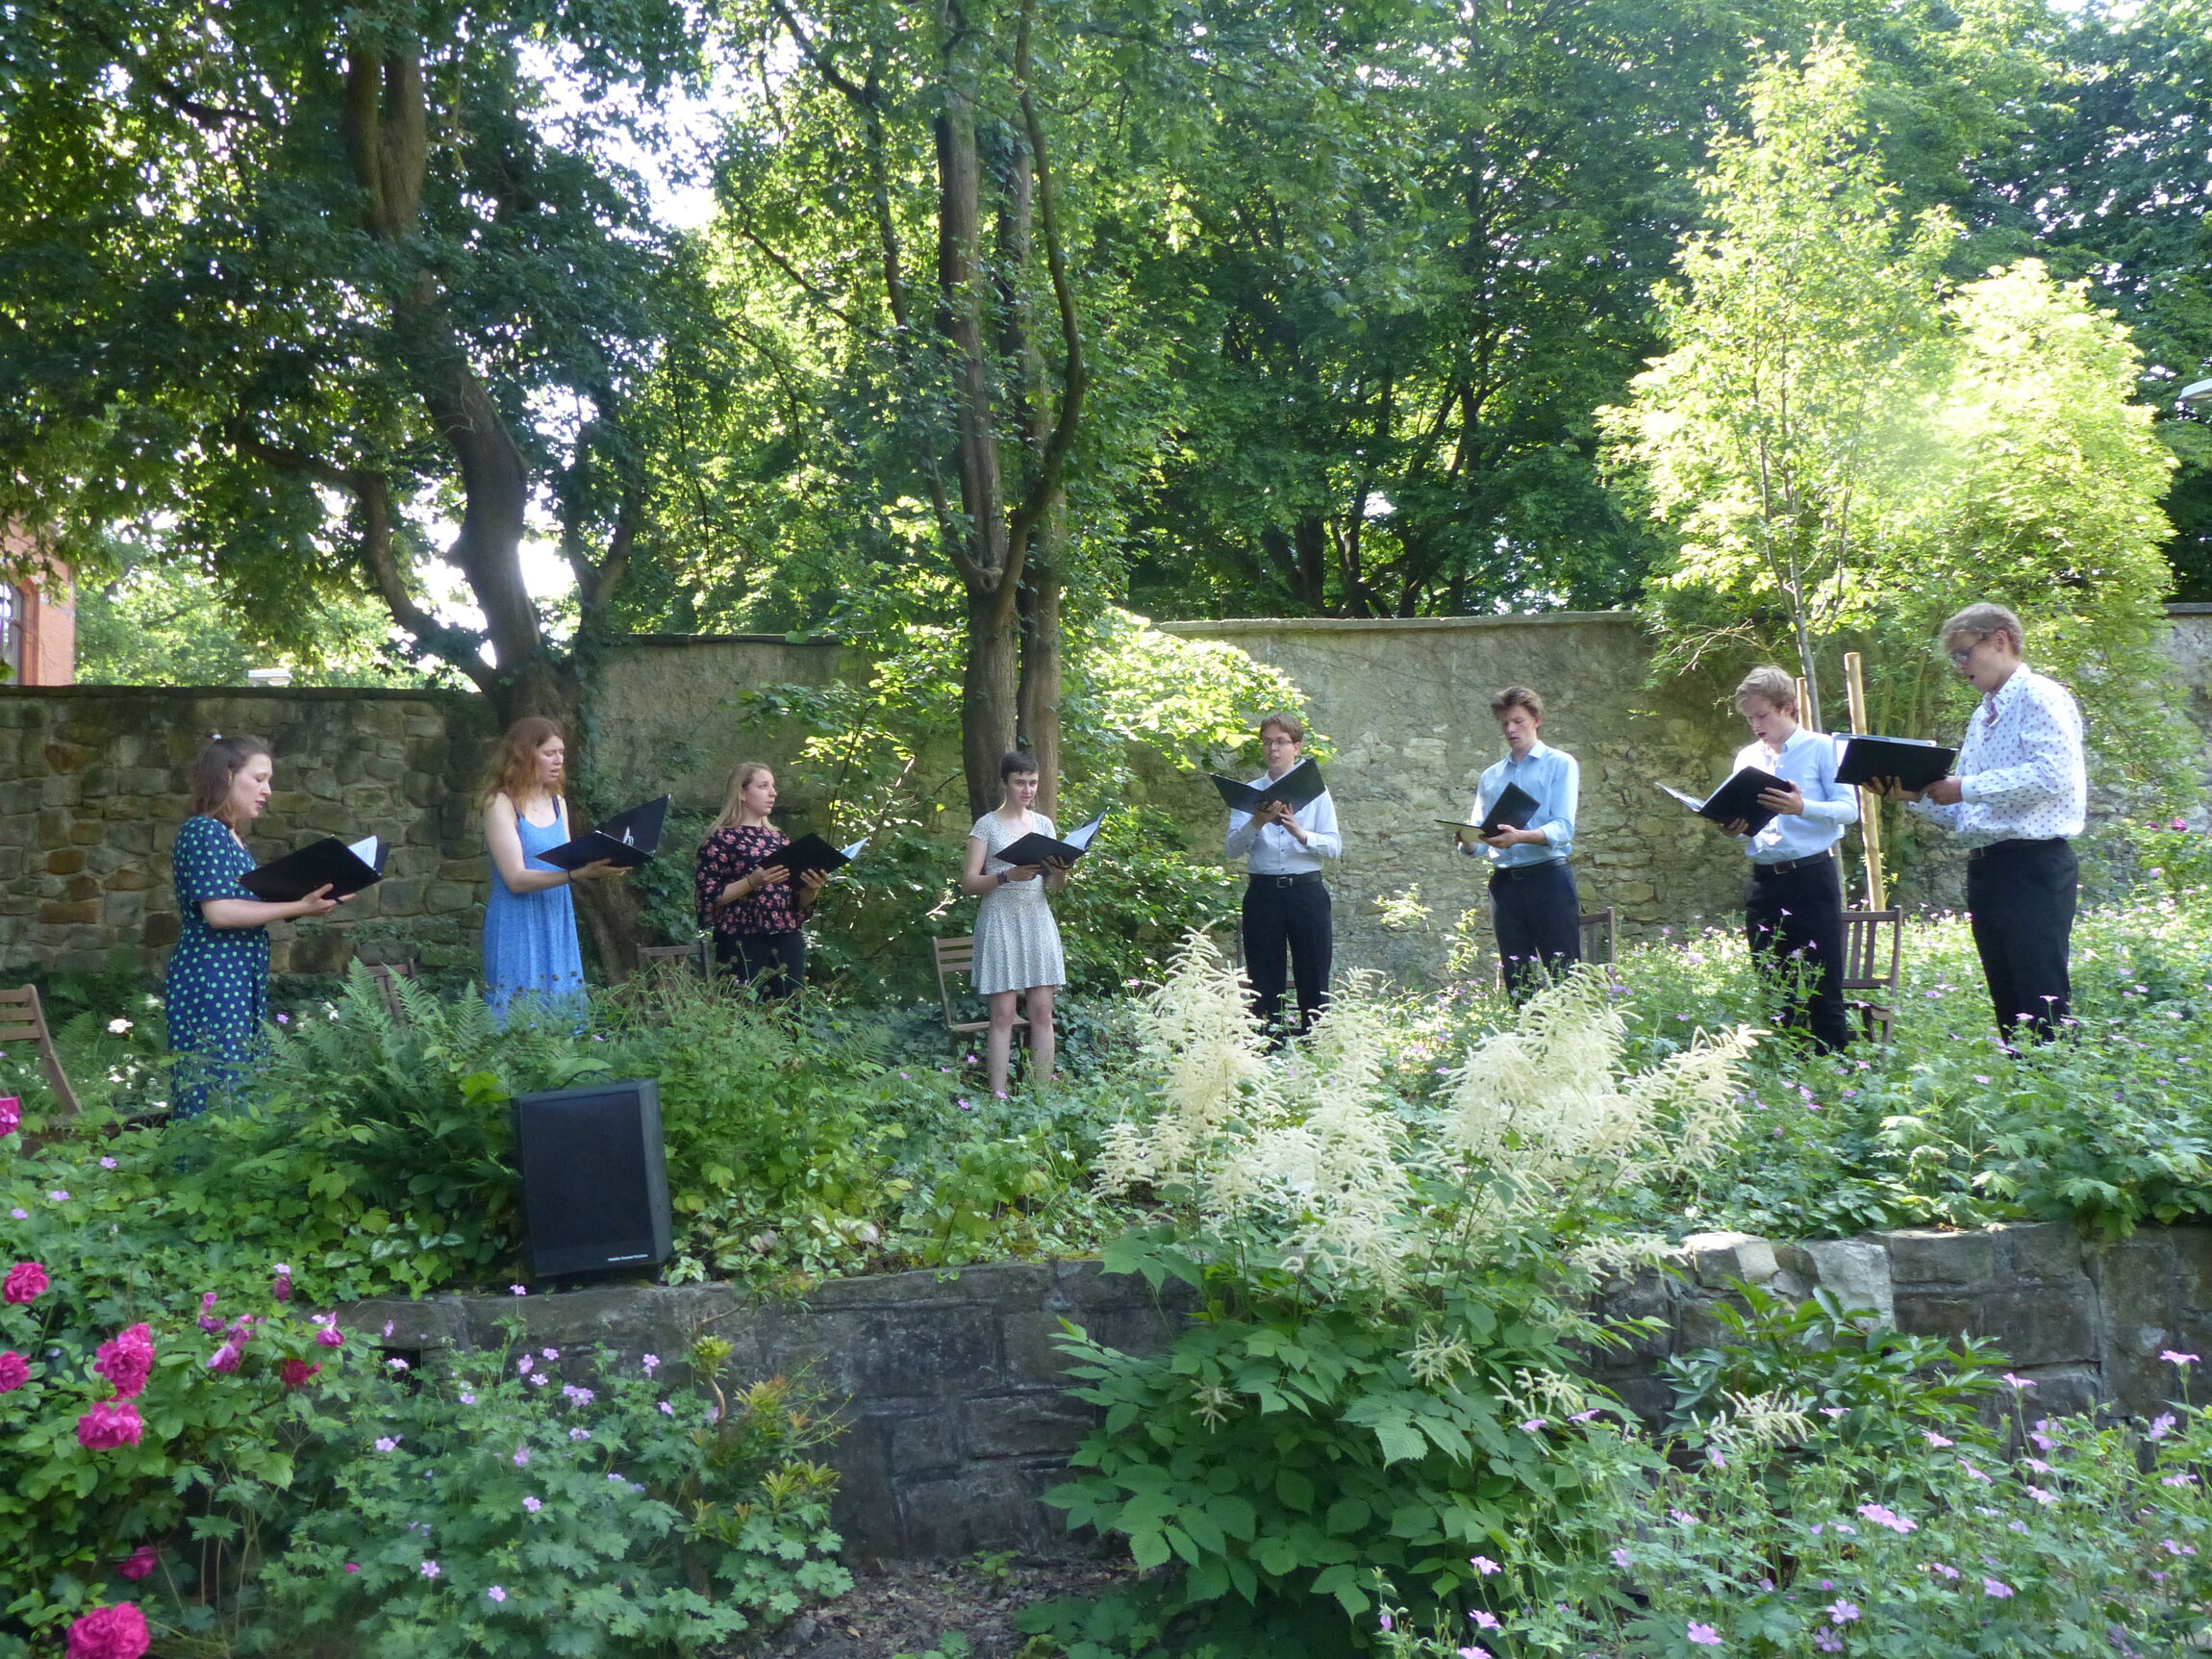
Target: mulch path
x: 907, y: 1607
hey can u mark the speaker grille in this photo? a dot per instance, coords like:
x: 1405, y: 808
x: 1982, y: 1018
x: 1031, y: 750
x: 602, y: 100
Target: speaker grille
x: 595, y: 1177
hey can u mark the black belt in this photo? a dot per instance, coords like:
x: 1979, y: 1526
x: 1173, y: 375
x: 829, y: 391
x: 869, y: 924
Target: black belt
x: 1979, y: 852
x: 1790, y: 863
x: 1304, y: 878
x: 1523, y: 871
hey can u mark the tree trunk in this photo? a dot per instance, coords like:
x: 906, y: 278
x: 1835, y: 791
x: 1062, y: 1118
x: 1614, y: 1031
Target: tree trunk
x: 1039, y: 697
x: 989, y: 695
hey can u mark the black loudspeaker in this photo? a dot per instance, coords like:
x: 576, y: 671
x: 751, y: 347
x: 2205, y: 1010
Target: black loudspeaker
x: 595, y: 1177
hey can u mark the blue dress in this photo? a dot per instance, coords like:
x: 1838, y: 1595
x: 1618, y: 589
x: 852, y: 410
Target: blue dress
x: 530, y: 938
x: 218, y: 981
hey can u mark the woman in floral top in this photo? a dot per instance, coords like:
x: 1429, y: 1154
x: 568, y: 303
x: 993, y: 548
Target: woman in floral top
x: 745, y: 898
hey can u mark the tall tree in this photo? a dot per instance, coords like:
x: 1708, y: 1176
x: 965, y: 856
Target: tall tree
x: 298, y: 286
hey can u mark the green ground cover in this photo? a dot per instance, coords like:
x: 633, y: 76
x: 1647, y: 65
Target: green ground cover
x: 369, y: 1158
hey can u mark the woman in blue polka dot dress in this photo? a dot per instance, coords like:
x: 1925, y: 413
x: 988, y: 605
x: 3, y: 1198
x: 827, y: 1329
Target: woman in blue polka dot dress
x: 530, y: 945
x: 218, y: 991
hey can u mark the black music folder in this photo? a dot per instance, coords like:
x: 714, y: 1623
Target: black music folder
x: 1914, y: 762
x: 1298, y: 788
x: 1036, y: 848
x: 1737, y: 798
x: 811, y: 852
x: 345, y: 869
x: 1512, y: 810
x: 627, y: 840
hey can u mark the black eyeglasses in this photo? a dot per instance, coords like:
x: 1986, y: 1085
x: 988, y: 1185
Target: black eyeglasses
x: 1959, y: 659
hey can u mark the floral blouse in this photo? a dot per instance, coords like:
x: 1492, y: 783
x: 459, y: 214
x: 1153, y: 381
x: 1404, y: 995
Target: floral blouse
x: 730, y: 854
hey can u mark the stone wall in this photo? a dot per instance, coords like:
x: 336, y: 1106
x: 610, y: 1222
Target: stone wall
x: 94, y: 783
x: 952, y: 1390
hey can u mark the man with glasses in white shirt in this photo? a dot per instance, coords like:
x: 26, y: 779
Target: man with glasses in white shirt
x: 1794, y: 904
x: 2018, y: 794
x: 1286, y: 902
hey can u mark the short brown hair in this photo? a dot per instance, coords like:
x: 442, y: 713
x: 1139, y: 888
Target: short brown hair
x: 1517, y: 697
x: 1982, y: 622
x: 215, y: 766
x: 514, y: 768
x: 1286, y: 722
x: 1776, y: 688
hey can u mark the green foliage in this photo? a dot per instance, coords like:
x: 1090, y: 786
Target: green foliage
x: 1768, y: 1530
x: 1283, y: 1452
x: 479, y: 1514
x: 170, y: 625
x: 1843, y: 448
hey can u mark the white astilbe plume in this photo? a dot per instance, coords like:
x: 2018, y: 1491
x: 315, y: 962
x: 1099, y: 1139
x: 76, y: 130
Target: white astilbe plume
x: 1544, y: 1102
x: 1199, y: 1028
x: 1296, y: 1156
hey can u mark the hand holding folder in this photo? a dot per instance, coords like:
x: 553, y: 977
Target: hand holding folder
x: 811, y: 853
x: 1297, y: 789
x: 1048, y: 851
x: 1512, y: 810
x: 1736, y: 801
x: 625, y: 841
x: 343, y: 869
x: 1906, y: 762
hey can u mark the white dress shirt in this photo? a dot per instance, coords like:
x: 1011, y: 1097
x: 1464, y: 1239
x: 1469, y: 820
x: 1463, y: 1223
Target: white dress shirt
x: 2020, y: 769
x: 1808, y: 759
x: 1271, y: 849
x: 1552, y: 778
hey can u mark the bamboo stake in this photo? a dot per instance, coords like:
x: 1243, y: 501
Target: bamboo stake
x: 1869, y: 802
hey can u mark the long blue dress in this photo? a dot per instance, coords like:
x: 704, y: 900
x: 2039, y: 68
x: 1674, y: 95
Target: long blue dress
x: 530, y: 938
x: 218, y: 981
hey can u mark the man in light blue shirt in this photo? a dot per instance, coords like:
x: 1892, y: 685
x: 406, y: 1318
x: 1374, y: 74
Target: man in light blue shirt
x: 1534, y: 912
x: 1794, y: 905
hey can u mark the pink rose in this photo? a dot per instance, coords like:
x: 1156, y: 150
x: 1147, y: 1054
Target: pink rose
x: 281, y: 1287
x: 225, y: 1358
x: 118, y: 1632
x: 11, y: 1112
x: 110, y: 1425
x: 14, y: 1372
x: 329, y: 1337
x: 141, y: 1561
x: 26, y: 1282
x: 126, y: 1361
x: 295, y: 1372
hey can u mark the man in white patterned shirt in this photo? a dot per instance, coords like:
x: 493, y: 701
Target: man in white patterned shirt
x: 2018, y: 794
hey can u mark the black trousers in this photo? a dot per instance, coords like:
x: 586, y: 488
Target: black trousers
x: 1288, y: 914
x: 1536, y: 916
x: 2020, y: 895
x: 773, y: 964
x: 1795, y: 920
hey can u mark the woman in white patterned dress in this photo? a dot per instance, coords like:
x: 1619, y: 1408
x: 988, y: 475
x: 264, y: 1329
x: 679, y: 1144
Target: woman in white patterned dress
x: 1017, y: 941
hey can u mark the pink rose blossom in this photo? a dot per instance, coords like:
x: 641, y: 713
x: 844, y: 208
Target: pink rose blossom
x: 1702, y: 1635
x: 118, y: 1632
x: 141, y: 1562
x: 225, y: 1358
x: 110, y: 1425
x: 26, y: 1282
x: 14, y: 1372
x: 127, y: 1360
x: 280, y: 1286
x: 11, y: 1112
x: 294, y: 1373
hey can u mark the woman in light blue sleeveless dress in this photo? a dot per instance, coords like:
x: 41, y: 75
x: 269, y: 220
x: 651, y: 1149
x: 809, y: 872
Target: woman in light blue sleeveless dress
x: 530, y: 948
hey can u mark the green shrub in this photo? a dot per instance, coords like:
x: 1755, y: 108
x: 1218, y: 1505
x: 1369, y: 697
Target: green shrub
x: 484, y: 1510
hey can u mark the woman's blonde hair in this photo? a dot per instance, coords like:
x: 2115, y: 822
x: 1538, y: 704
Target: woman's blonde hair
x: 734, y: 803
x: 514, y: 768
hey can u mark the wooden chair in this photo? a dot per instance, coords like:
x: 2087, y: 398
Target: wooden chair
x: 1596, y: 925
x: 381, y: 974
x: 22, y: 1019
x: 696, y: 953
x: 1874, y: 951
x: 958, y: 956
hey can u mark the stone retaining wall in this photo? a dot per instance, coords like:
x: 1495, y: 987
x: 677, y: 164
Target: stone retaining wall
x: 952, y: 1390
